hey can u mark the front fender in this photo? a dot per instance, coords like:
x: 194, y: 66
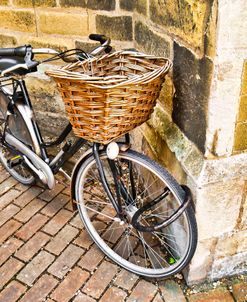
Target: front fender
x: 75, y: 171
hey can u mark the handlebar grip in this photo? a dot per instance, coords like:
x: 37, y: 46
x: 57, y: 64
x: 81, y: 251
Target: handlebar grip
x: 12, y: 52
x: 100, y: 38
x: 7, y: 52
x: 21, y: 51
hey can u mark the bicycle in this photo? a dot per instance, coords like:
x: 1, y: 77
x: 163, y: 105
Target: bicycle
x: 132, y: 208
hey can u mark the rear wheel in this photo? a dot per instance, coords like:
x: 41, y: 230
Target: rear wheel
x: 20, y: 172
x: 151, y: 254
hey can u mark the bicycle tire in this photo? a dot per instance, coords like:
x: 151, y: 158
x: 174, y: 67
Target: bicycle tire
x: 21, y: 173
x: 91, y: 220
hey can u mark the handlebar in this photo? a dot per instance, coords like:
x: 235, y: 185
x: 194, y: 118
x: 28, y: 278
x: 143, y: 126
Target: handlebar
x: 27, y: 53
x: 96, y: 37
x: 104, y: 41
x: 14, y: 52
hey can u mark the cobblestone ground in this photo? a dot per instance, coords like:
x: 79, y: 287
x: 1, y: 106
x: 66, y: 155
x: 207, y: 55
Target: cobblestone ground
x: 45, y: 255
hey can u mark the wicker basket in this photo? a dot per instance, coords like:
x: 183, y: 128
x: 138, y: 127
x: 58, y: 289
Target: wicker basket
x: 107, y: 97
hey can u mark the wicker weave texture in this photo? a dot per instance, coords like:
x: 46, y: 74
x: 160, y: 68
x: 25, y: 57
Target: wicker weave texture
x: 107, y: 97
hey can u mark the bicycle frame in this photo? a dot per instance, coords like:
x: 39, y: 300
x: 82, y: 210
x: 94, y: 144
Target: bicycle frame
x: 21, y: 100
x: 68, y: 149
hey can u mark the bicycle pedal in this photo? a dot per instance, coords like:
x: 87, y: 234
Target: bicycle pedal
x: 15, y: 161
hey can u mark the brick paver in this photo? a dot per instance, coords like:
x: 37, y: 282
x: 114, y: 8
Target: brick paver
x: 143, y: 292
x: 47, y: 255
x: 12, y: 292
x: 84, y: 240
x: 100, y: 280
x: 8, y: 248
x: 33, y: 207
x: 114, y: 294
x: 62, y: 239
x: 27, y: 196
x: 32, y: 246
x: 7, y: 184
x: 48, y: 195
x: 91, y: 259
x: 41, y: 289
x: 7, y: 198
x: 126, y: 279
x: 171, y: 291
x: 55, y: 205
x: 57, y: 222
x: 158, y: 298
x: 70, y: 285
x: 32, y: 226
x: 35, y: 268
x: 65, y: 261
x: 239, y: 291
x: 9, y: 269
x: 8, y: 212
x: 8, y: 229
x: 83, y: 298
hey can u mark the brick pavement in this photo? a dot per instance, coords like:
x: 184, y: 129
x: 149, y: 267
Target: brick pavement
x: 45, y: 255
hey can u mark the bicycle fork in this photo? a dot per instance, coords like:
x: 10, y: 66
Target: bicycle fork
x: 129, y: 198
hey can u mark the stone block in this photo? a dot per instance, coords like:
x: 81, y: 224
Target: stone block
x: 185, y: 18
x: 241, y: 239
x: 54, y: 23
x: 91, y: 4
x: 118, y: 28
x: 244, y: 79
x: 228, y: 266
x: 57, y: 123
x: 224, y: 168
x: 217, y: 208
x: 242, y: 114
x: 45, y: 96
x: 177, y: 142
x: 219, y: 294
x: 150, y: 42
x: 192, y: 81
x: 211, y: 32
x: 201, y: 264
x: 139, y: 5
x: 4, y: 2
x: 19, y: 20
x: 54, y: 43
x: 243, y: 222
x: 7, y: 41
x: 240, y: 141
x: 29, y: 3
x: 193, y: 163
x: 73, y: 3
x: 166, y: 95
x: 163, y: 154
x: 226, y: 246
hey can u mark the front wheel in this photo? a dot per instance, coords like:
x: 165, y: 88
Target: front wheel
x: 155, y: 254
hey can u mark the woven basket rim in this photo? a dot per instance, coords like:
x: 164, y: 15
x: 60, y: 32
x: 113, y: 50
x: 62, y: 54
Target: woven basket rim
x: 112, y: 81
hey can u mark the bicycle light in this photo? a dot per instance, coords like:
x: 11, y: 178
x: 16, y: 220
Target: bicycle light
x: 112, y: 150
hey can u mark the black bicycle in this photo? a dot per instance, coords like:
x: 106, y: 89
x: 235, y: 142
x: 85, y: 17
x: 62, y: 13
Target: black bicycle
x: 133, y: 209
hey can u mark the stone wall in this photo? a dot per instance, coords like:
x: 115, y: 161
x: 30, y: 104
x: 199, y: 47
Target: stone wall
x: 198, y: 128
